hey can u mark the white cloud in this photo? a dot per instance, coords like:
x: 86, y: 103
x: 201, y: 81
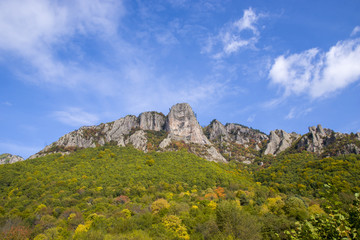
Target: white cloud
x: 36, y: 29
x: 128, y: 76
x: 355, y: 31
x: 75, y: 117
x: 294, y: 72
x: 318, y: 74
x: 248, y: 21
x: 235, y: 36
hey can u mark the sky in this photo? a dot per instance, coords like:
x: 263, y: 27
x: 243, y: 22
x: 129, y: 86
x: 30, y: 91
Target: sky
x: 268, y: 65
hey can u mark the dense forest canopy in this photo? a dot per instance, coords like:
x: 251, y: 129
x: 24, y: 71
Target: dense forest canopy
x: 122, y: 193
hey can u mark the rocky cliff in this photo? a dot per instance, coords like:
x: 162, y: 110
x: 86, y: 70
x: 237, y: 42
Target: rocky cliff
x: 325, y: 141
x: 235, y: 141
x: 8, y: 158
x: 153, y: 131
x: 280, y: 141
x: 180, y: 125
x: 318, y: 140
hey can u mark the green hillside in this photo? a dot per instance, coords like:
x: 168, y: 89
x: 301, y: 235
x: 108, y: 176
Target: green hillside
x: 123, y: 193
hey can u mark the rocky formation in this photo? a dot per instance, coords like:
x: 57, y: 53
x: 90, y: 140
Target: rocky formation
x: 152, y: 131
x: 236, y: 141
x: 152, y: 121
x: 317, y: 139
x: 182, y: 125
x: 244, y: 135
x: 233, y: 132
x: 8, y: 158
x: 138, y: 140
x: 280, y: 141
x: 216, y: 131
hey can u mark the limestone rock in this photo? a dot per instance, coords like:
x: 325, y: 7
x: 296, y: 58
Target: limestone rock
x: 152, y: 121
x: 213, y: 155
x: 120, y: 127
x: 165, y: 143
x: 7, y: 158
x: 92, y: 136
x: 351, y: 148
x: 244, y: 135
x: 182, y: 125
x: 357, y: 135
x: 279, y: 141
x: 138, y: 140
x: 216, y: 131
x: 317, y: 139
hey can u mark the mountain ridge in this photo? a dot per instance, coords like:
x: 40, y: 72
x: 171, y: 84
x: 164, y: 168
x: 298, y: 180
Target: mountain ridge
x: 215, y: 142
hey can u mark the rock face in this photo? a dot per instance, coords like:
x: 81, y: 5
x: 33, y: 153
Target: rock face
x: 152, y: 121
x: 180, y: 128
x: 280, y: 141
x: 138, y: 140
x: 182, y: 125
x: 233, y: 139
x: 243, y: 135
x: 317, y: 139
x: 217, y: 132
x: 233, y: 132
x: 7, y: 158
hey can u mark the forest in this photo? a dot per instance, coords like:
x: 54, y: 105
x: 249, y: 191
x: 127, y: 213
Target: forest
x: 112, y: 192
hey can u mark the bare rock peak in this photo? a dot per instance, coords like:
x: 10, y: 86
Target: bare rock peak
x: 280, y: 141
x: 183, y: 125
x: 217, y: 131
x: 8, y: 158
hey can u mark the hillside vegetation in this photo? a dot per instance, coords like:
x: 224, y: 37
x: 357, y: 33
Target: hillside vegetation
x: 122, y: 193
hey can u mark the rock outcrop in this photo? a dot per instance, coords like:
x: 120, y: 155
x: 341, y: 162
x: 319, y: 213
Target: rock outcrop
x: 233, y: 132
x: 216, y: 142
x: 182, y: 125
x: 280, y: 141
x: 138, y: 140
x: 7, y: 158
x: 216, y: 131
x: 236, y: 141
x: 152, y: 121
x: 244, y: 135
x: 317, y: 139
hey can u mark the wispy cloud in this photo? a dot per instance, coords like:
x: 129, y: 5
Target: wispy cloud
x: 7, y: 103
x: 297, y: 112
x: 355, y: 31
x: 251, y: 118
x: 318, y: 74
x: 234, y: 36
x: 75, y: 117
x: 35, y: 30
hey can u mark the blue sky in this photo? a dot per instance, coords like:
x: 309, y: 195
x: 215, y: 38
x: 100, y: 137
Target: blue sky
x: 264, y: 64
